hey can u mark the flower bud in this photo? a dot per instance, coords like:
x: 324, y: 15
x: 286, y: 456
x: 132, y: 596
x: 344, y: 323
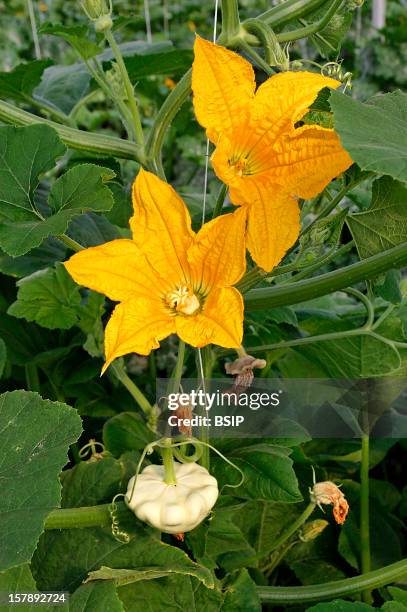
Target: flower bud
x: 330, y: 494
x: 96, y: 8
x: 312, y: 530
x: 99, y: 11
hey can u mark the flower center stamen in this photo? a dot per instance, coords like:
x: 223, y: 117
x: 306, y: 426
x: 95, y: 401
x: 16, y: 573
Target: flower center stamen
x: 183, y: 300
x: 240, y: 166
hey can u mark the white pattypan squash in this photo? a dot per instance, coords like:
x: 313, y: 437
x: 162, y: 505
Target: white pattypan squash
x: 173, y: 508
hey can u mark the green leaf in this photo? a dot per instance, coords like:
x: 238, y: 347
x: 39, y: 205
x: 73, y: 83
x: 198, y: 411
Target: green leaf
x: 143, y: 60
x: 44, y: 256
x: 169, y: 62
x: 268, y: 473
x: 339, y: 605
x: 48, y: 297
x: 181, y: 593
x: 316, y: 561
x: 126, y: 432
x: 389, y: 288
x: 18, y: 580
x: 94, y: 482
x: 63, y: 86
x: 30, y: 343
x: 220, y: 542
x: 96, y: 596
x: 393, y: 606
x: 241, y: 595
x: 385, y: 532
x: 91, y: 229
x: 353, y: 357
x: 329, y: 40
x: 77, y: 36
x: 18, y: 84
x: 3, y: 356
x: 121, y: 577
x: 64, y: 559
x: 384, y: 224
x: 172, y: 593
x: 34, y: 442
x: 397, y: 594
x: 374, y: 132
x: 25, y: 153
x: 90, y: 322
x: 263, y: 522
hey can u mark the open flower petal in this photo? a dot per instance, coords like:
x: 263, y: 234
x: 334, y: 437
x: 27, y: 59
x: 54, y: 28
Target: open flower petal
x: 273, y: 224
x: 161, y: 226
x: 223, y: 85
x: 284, y: 98
x: 117, y: 269
x: 136, y: 326
x: 217, y: 257
x: 220, y: 322
x: 315, y: 156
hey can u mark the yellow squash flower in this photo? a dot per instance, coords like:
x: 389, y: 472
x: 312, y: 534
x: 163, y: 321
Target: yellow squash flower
x: 265, y: 159
x: 168, y: 279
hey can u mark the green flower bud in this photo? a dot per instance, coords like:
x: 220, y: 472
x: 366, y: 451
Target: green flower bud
x: 312, y: 530
x: 104, y: 23
x: 96, y: 9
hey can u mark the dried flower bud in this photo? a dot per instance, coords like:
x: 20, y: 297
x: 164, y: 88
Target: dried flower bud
x: 329, y: 493
x: 243, y: 368
x: 312, y: 530
x: 244, y: 364
x: 184, y: 413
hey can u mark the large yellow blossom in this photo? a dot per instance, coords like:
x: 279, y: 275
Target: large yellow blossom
x: 262, y: 156
x: 167, y: 278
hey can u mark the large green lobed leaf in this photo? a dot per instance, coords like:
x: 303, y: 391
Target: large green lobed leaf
x: 35, y: 435
x: 374, y: 132
x: 25, y: 154
x: 384, y: 224
x: 48, y: 297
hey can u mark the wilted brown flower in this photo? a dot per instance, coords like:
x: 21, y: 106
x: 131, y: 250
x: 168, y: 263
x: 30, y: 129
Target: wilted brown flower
x: 243, y: 368
x: 328, y: 492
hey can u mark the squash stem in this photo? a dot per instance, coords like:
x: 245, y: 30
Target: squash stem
x: 169, y: 468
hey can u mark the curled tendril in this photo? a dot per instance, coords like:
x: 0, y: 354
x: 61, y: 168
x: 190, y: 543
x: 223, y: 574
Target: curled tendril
x: 90, y: 450
x: 117, y: 533
x: 334, y: 69
x: 182, y: 455
x: 165, y: 443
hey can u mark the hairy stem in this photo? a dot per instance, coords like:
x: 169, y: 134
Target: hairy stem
x: 121, y: 375
x: 364, y: 514
x: 32, y: 378
x: 312, y: 28
x: 220, y: 201
x: 168, y: 461
x: 294, y: 527
x: 79, y: 518
x: 261, y: 63
x: 289, y: 11
x: 131, y: 98
x: 163, y: 120
x: 71, y: 243
x: 230, y: 18
x: 76, y: 139
x: 333, y: 590
x: 284, y: 295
